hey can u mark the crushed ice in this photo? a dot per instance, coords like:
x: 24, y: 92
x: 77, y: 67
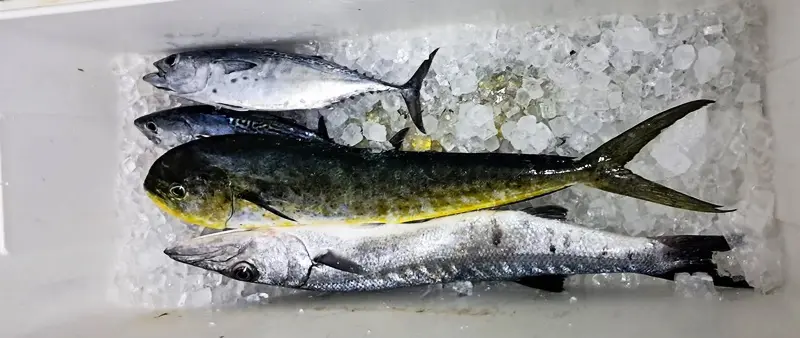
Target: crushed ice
x: 521, y: 89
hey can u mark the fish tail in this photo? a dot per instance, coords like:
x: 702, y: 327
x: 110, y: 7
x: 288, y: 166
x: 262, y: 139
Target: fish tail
x: 694, y: 254
x: 410, y: 91
x: 606, y: 171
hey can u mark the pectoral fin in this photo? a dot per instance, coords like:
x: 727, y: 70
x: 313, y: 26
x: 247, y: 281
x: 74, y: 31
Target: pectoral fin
x: 322, y: 130
x: 257, y: 200
x: 551, y: 283
x: 232, y: 66
x: 397, y: 139
x: 339, y: 263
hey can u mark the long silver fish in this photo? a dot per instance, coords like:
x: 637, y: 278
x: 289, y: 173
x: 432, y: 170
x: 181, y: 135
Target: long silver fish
x: 264, y: 79
x: 536, y: 248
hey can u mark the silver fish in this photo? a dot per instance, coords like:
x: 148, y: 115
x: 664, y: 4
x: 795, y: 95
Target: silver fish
x: 536, y: 248
x: 264, y: 79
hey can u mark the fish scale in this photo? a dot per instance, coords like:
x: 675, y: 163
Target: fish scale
x: 449, y: 249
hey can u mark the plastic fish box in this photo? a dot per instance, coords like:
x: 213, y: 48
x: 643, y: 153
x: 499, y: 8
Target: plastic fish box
x: 61, y: 135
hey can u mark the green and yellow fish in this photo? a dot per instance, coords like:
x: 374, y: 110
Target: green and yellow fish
x: 243, y: 180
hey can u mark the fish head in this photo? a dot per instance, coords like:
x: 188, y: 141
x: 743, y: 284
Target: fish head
x: 181, y: 73
x: 253, y: 255
x: 165, y: 128
x: 185, y: 186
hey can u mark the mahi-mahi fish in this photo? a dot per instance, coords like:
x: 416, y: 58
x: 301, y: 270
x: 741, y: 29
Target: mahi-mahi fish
x: 242, y: 180
x: 264, y: 79
x: 537, y: 248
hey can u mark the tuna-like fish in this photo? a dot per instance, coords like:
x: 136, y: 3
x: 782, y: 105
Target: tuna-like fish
x: 172, y: 127
x: 537, y: 248
x: 264, y: 79
x: 259, y: 180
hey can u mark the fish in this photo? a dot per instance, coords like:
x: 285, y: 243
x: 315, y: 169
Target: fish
x: 235, y: 181
x: 270, y: 80
x: 537, y: 248
x: 172, y: 127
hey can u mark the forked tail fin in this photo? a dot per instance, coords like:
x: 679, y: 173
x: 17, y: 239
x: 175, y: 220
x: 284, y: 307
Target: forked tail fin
x: 606, y: 164
x: 410, y: 91
x: 694, y: 254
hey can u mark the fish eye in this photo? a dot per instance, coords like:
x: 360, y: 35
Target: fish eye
x: 151, y: 126
x: 244, y: 271
x: 178, y: 191
x: 172, y: 60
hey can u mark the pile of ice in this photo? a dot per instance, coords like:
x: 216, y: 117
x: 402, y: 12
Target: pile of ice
x: 521, y: 88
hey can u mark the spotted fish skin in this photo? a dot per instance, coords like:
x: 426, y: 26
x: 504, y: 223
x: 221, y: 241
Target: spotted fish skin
x: 477, y: 246
x: 270, y: 80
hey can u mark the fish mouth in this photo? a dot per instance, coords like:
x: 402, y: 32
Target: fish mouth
x: 190, y: 254
x: 158, y: 80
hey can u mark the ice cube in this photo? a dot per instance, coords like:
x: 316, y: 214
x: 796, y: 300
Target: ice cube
x: 594, y: 59
x: 464, y: 83
x: 508, y: 128
x: 335, y: 118
x: 726, y: 78
x: 431, y: 124
x: 547, y: 109
x: 391, y: 102
x: 598, y: 81
x: 374, y: 131
x: 713, y: 29
x: 749, y: 93
x: 633, y: 39
x: 540, y: 137
x: 351, y: 134
x: 590, y: 123
x: 666, y: 24
x: 492, y: 143
x: 671, y: 159
x: 622, y: 60
x: 699, y: 285
x: 560, y: 126
x: 614, y: 99
x: 683, y: 57
x: 523, y: 97
x: 727, y: 53
x: 462, y: 288
x: 708, y: 64
x: 663, y: 84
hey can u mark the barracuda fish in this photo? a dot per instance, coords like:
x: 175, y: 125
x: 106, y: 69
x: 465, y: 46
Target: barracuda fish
x: 172, y: 127
x: 537, y: 248
x: 264, y: 79
x: 258, y: 180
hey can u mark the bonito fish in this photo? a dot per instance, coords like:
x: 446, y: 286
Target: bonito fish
x: 172, y: 127
x: 264, y: 79
x: 537, y: 248
x: 260, y: 180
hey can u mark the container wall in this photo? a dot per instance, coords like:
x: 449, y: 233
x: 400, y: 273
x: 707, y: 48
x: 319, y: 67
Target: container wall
x: 59, y: 140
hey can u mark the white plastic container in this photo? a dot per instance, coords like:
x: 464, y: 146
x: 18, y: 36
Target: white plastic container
x: 59, y: 145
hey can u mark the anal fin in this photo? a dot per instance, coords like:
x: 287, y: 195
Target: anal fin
x: 550, y: 283
x: 547, y: 211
